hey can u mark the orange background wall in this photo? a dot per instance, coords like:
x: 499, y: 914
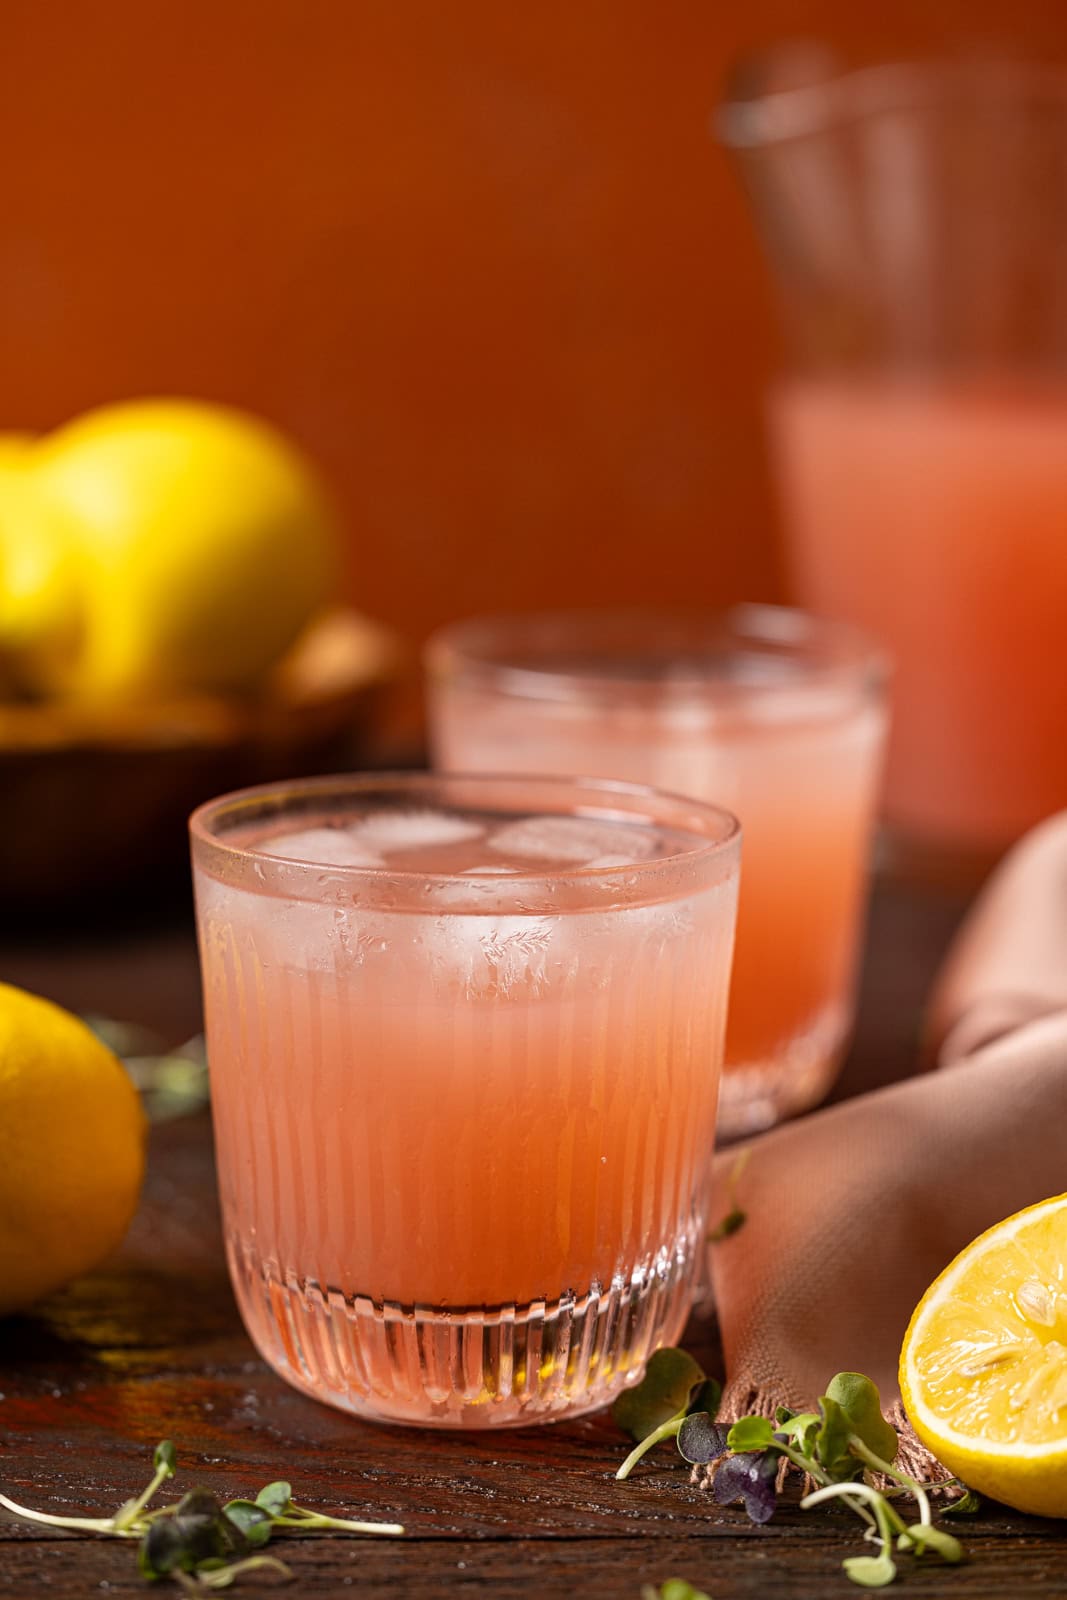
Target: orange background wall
x: 482, y: 257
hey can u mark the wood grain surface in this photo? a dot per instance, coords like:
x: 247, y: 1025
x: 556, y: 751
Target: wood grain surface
x: 151, y: 1346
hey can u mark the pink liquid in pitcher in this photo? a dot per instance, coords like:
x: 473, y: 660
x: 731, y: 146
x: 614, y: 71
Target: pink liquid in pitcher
x: 936, y: 518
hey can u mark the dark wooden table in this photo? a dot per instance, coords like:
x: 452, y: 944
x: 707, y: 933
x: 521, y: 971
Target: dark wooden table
x: 151, y: 1347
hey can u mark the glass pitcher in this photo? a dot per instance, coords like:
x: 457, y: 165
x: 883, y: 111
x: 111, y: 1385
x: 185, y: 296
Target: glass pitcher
x: 915, y: 221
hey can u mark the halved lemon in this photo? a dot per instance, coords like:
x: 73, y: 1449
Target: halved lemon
x: 983, y: 1368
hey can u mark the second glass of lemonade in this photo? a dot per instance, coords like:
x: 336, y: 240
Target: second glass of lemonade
x: 767, y: 711
x: 464, y: 1039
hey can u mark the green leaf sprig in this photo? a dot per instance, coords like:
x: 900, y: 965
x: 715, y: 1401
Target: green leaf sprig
x: 673, y: 1386
x: 840, y: 1448
x: 171, y: 1083
x: 196, y: 1541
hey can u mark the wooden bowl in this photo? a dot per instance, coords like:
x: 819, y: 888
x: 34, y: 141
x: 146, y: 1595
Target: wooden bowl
x: 94, y: 800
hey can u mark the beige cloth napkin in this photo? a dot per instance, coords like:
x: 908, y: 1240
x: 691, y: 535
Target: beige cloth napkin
x: 853, y: 1211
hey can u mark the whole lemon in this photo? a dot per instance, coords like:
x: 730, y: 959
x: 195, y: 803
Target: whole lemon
x: 15, y: 447
x: 39, y: 605
x: 71, y: 1149
x: 205, y: 542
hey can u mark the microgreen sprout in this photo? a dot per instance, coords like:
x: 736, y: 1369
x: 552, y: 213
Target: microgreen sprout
x: 841, y: 1449
x: 164, y: 1460
x: 210, y: 1577
x: 171, y: 1083
x: 276, y: 1501
x: 196, y: 1541
x: 655, y: 1409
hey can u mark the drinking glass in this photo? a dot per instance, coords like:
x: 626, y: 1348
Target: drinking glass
x: 915, y: 221
x: 464, y: 1039
x: 773, y: 714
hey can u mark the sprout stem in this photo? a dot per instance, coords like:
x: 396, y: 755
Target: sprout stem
x: 319, y: 1520
x: 128, y: 1514
x: 86, y: 1524
x: 667, y: 1430
x: 858, y: 1448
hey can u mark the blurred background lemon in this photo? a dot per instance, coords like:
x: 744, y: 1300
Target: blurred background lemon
x: 169, y: 628
x: 158, y: 547
x: 38, y: 610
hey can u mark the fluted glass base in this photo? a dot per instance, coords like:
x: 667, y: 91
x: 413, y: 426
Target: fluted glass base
x: 497, y: 1366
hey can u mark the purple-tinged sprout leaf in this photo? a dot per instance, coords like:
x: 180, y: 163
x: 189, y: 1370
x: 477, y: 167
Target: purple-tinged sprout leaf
x: 750, y: 1478
x: 700, y: 1440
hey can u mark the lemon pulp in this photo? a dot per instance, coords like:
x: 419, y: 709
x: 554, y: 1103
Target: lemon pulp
x: 984, y: 1362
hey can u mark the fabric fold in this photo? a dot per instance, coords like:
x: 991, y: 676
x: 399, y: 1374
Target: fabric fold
x: 853, y: 1211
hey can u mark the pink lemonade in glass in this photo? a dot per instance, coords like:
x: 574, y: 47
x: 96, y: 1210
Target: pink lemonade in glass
x: 936, y: 517
x: 464, y: 1039
x: 777, y: 717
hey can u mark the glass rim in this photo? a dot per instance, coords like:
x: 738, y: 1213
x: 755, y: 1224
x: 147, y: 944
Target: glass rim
x: 483, y: 648
x: 750, y: 119
x: 717, y: 828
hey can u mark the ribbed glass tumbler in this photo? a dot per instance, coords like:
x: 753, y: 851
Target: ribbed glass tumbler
x: 464, y: 1039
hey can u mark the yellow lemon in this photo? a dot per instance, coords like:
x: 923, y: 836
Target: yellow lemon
x: 983, y: 1369
x: 15, y: 447
x: 39, y: 606
x: 71, y: 1149
x: 205, y: 541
